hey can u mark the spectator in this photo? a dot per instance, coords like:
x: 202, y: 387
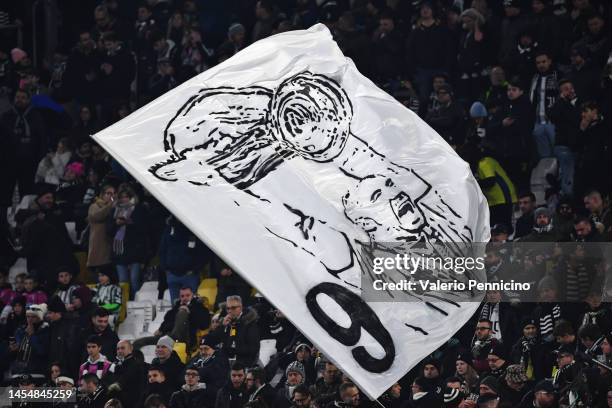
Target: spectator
x: 498, y: 361
x: 236, y: 40
x: 154, y: 401
x: 239, y: 332
x: 419, y: 397
x: 585, y: 231
x: 100, y: 244
x: 525, y: 223
x: 158, y: 384
x: 513, y: 23
x: 62, y: 335
x: 543, y: 396
x: 234, y: 393
x: 583, y: 74
x: 428, y: 49
x: 481, y: 344
x: 565, y: 115
x: 464, y: 370
x: 295, y: 376
x: 530, y: 352
x: 30, y: 347
x: 169, y: 361
x: 520, y: 59
x: 51, y: 168
x: 596, y: 39
x: 128, y: 228
x: 32, y: 294
x: 229, y: 283
x: 127, y: 377
x: 515, y: 134
x: 116, y: 73
x: 82, y: 78
x: 471, y: 58
x: 107, y: 295
x: 181, y: 256
x: 325, y: 388
x: 187, y: 316
x: 264, y: 12
x: 93, y: 395
x: 349, y: 396
x: 502, y: 315
x: 495, y: 93
x: 498, y: 188
x: 543, y: 95
x: 258, y: 388
x: 96, y: 363
x: 596, y: 149
x: 515, y: 384
x: 24, y: 136
x: 543, y: 230
x: 193, y: 394
x: 46, y: 243
x: 194, y: 53
x: 387, y: 49
x: 546, y: 26
x: 563, y: 219
x: 212, y: 364
x: 448, y: 119
x: 99, y: 326
x: 302, y: 397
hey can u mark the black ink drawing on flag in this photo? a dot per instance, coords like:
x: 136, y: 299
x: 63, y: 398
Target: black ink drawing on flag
x: 243, y: 135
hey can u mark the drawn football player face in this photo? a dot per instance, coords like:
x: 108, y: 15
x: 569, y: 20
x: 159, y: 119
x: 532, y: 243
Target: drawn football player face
x: 383, y: 210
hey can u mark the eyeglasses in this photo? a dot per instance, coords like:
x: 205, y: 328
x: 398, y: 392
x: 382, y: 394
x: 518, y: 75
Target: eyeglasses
x: 191, y: 374
x: 482, y: 328
x: 233, y: 307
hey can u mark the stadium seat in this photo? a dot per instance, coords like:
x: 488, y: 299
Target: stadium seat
x: 148, y: 353
x: 181, y: 350
x: 131, y: 327
x: 149, y: 286
x: 208, y: 291
x: 267, y: 348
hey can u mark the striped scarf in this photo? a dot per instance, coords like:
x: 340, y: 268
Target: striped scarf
x: 549, y: 318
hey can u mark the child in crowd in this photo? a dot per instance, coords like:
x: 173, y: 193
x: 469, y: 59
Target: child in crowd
x: 33, y: 295
x: 107, y: 294
x: 96, y: 362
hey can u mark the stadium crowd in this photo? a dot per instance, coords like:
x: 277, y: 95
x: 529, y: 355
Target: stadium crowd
x: 520, y: 88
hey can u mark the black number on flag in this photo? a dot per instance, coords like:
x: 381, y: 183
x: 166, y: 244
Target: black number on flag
x: 361, y: 315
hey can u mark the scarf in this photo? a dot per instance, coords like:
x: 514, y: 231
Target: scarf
x: 122, y: 211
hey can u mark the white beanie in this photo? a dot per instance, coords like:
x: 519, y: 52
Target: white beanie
x: 39, y: 310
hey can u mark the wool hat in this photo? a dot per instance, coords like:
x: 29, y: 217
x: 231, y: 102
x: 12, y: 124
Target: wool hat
x: 302, y: 345
x: 474, y: 15
x: 209, y: 340
x: 492, y: 383
x: 526, y: 321
x: 295, y: 367
x: 465, y: 356
x: 499, y: 350
x: 566, y: 349
x: 500, y: 228
x: 544, y: 385
x: 516, y: 374
x: 235, y: 28
x: 64, y: 379
x: 478, y: 110
x: 166, y: 341
x: 39, y: 310
x: 432, y: 361
x: 541, y: 211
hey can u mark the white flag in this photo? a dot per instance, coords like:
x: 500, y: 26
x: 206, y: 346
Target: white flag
x: 293, y: 167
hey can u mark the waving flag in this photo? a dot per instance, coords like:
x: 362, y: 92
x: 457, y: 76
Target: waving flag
x: 295, y: 169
